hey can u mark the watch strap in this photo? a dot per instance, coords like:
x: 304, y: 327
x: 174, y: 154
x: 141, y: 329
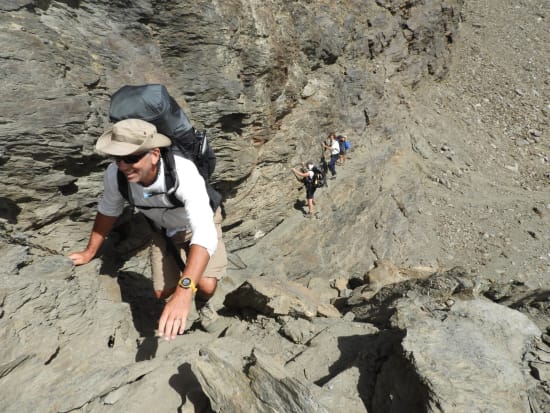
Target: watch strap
x: 187, y: 283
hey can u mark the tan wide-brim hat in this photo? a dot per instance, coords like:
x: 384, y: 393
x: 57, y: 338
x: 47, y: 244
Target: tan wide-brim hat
x: 131, y: 136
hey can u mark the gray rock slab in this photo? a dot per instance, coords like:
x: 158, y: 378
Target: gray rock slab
x: 263, y: 386
x: 274, y: 297
x: 470, y: 359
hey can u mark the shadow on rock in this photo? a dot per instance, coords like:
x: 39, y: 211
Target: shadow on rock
x: 185, y: 383
x: 147, y: 349
x: 300, y: 205
x: 9, y: 210
x: 132, y: 233
x: 137, y: 291
x: 371, y: 354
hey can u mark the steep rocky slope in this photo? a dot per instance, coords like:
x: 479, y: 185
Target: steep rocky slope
x: 446, y: 103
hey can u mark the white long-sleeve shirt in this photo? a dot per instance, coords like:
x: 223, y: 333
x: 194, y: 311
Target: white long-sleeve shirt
x: 195, y: 216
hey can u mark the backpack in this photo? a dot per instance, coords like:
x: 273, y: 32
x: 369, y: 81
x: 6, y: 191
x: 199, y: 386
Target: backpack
x: 153, y: 103
x: 347, y: 145
x: 319, y: 177
x: 342, y: 146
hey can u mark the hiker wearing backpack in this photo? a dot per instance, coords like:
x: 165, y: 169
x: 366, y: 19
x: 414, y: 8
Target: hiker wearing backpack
x: 344, y: 146
x: 334, y: 148
x: 311, y: 184
x: 193, y: 229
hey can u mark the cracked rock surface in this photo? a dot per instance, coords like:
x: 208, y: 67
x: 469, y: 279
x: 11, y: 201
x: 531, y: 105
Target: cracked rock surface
x: 420, y: 285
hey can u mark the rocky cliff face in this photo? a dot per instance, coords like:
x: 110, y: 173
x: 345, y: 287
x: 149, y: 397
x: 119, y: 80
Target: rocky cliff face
x: 446, y: 105
x: 268, y: 81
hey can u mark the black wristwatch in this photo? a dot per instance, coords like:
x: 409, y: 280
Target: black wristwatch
x: 187, y: 283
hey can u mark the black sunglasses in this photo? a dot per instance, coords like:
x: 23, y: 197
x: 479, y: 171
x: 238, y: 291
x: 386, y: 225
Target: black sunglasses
x: 131, y: 159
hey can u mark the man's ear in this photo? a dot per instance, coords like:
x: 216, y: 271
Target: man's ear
x: 155, y: 154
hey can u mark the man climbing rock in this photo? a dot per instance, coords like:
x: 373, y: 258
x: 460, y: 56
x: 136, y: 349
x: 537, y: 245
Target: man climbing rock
x: 193, y: 230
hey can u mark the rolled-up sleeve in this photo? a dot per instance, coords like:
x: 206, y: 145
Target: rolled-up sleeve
x: 112, y: 202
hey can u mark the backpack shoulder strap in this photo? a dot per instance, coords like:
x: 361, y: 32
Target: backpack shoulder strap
x: 170, y: 176
x: 171, y: 179
x: 123, y: 187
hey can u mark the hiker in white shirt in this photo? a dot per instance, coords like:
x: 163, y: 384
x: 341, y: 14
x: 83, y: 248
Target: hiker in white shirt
x: 334, y: 153
x: 193, y: 230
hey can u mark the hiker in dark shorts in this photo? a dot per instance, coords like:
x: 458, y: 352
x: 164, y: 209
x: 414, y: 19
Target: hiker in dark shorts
x: 194, y: 230
x: 307, y: 177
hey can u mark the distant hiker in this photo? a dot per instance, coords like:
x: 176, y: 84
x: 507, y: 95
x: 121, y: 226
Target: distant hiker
x: 309, y: 181
x: 334, y: 148
x: 193, y: 229
x: 344, y: 146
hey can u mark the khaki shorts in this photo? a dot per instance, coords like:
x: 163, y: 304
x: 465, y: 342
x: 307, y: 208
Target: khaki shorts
x: 164, y: 267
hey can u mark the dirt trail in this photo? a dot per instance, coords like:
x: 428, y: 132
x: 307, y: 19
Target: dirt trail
x: 492, y: 112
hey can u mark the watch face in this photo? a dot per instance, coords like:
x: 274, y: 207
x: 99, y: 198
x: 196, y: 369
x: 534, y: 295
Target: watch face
x: 185, y: 282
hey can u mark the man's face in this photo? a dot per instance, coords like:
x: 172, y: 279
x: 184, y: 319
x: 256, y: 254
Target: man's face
x: 139, y: 168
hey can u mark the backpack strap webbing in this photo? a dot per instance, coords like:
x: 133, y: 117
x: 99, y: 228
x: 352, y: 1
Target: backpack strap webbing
x: 170, y: 176
x: 123, y: 187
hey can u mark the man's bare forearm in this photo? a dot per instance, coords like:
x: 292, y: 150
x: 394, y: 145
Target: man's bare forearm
x: 102, y: 226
